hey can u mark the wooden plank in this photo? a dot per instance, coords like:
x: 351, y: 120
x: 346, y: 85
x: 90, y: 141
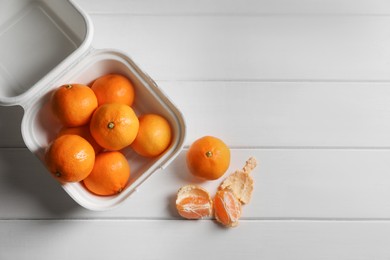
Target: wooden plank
x: 289, y: 184
x: 279, y: 114
x: 252, y: 48
x: 235, y: 7
x: 124, y: 239
x: 269, y: 114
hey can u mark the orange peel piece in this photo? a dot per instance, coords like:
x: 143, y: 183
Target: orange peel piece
x: 194, y: 202
x: 241, y: 182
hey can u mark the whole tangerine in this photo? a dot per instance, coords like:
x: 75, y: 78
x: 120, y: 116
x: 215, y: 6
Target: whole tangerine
x: 82, y: 131
x: 208, y: 158
x: 114, y: 126
x: 70, y: 158
x: 73, y: 104
x: 110, y: 174
x: 113, y: 88
x: 154, y: 135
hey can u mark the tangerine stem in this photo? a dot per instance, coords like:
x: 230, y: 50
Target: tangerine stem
x: 111, y: 125
x: 209, y: 154
x: 58, y: 174
x: 68, y: 86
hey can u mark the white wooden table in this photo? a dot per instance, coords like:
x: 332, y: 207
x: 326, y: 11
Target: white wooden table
x: 304, y: 86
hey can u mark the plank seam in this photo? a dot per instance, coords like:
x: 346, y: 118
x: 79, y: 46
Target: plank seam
x: 236, y: 147
x: 270, y: 80
x: 357, y: 148
x: 322, y: 220
x: 243, y: 14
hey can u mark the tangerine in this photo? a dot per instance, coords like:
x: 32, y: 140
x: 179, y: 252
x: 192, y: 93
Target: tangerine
x: 113, y: 88
x: 208, y: 158
x: 70, y: 158
x: 82, y: 131
x: 193, y: 202
x: 227, y: 208
x: 73, y: 104
x: 154, y: 135
x: 114, y: 126
x: 110, y: 174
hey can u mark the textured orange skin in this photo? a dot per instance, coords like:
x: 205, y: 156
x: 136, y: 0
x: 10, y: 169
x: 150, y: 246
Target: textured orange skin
x: 110, y: 174
x: 82, y: 131
x: 125, y: 126
x: 73, y: 104
x: 208, y: 167
x: 113, y: 88
x: 70, y: 158
x: 154, y: 135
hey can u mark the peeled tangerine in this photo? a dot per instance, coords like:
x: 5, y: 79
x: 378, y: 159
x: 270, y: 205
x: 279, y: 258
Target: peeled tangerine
x: 235, y: 191
x: 227, y: 208
x: 194, y: 202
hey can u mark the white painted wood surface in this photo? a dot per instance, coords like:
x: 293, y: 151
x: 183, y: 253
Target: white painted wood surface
x: 302, y: 85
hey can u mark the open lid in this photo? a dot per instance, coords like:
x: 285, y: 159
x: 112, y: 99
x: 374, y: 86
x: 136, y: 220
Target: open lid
x: 38, y: 39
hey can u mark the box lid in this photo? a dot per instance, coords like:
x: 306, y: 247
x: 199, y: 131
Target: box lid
x: 38, y: 39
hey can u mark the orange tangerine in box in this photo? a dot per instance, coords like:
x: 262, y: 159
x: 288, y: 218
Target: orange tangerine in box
x: 154, y: 135
x: 73, y: 104
x: 110, y: 174
x: 113, y: 88
x: 82, y: 131
x: 114, y: 126
x: 70, y: 158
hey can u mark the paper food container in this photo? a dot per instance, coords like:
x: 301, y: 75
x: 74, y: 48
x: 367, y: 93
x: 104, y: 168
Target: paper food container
x: 45, y: 44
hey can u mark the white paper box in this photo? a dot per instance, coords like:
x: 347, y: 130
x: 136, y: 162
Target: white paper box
x: 45, y: 44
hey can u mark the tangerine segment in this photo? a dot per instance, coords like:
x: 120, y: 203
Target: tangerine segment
x: 154, y: 135
x: 110, y: 174
x: 113, y: 88
x: 227, y: 208
x: 240, y: 182
x: 70, y: 158
x: 114, y: 126
x: 73, y: 104
x: 82, y: 131
x: 208, y: 158
x: 194, y: 202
